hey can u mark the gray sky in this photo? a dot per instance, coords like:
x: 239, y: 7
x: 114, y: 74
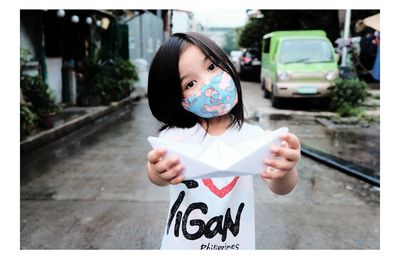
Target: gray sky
x: 221, y: 17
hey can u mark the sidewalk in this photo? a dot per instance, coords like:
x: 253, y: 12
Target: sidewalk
x: 74, y: 118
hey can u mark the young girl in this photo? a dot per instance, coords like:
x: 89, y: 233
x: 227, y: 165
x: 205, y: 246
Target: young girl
x: 195, y: 92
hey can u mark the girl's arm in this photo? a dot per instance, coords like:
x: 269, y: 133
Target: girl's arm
x: 281, y: 173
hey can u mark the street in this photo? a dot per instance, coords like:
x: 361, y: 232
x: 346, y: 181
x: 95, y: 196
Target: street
x: 91, y: 191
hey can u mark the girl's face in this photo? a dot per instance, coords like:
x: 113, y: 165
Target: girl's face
x: 207, y: 90
x: 195, y: 70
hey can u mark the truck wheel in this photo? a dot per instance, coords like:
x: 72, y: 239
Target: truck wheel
x: 274, y: 100
x: 267, y: 94
x: 243, y: 75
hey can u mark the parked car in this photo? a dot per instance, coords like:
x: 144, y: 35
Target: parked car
x: 250, y: 64
x: 235, y: 58
x: 297, y: 64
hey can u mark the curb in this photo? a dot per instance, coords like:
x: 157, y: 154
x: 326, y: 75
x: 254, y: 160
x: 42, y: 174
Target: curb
x: 265, y: 113
x: 341, y: 165
x: 93, y: 115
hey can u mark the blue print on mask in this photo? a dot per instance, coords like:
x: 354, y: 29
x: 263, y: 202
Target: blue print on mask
x: 214, y: 99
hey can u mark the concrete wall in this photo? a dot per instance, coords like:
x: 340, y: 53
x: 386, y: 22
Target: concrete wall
x: 54, y: 76
x: 30, y: 32
x: 180, y: 22
x: 218, y: 35
x: 145, y: 36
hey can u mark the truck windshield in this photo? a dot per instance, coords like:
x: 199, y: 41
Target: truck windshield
x: 305, y: 51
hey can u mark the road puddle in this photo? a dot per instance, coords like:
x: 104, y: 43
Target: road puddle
x: 357, y: 144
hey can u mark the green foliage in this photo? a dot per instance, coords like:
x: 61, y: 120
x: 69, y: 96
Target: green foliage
x: 40, y: 98
x: 28, y: 120
x: 24, y: 56
x: 89, y: 75
x: 284, y: 20
x: 38, y: 93
x: 107, y: 81
x: 251, y: 34
x: 347, y: 110
x: 347, y: 97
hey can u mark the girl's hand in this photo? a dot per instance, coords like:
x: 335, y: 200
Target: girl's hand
x: 286, y: 157
x: 163, y: 171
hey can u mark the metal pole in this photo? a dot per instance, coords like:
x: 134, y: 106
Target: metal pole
x: 346, y: 36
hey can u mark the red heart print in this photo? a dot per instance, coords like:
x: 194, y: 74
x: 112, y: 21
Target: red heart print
x: 224, y: 190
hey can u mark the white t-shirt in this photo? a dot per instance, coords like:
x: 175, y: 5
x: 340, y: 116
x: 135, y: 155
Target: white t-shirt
x: 211, y: 213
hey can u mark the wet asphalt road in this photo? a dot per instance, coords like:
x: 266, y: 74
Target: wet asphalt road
x: 90, y: 191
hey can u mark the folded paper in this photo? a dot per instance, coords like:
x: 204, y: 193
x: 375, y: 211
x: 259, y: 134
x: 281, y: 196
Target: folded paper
x: 219, y: 159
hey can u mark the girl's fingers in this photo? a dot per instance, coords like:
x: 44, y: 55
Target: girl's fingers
x: 287, y: 153
x: 154, y: 155
x: 280, y: 164
x: 167, y: 169
x: 166, y: 164
x: 272, y: 173
x: 172, y: 172
x: 177, y: 180
x: 291, y: 139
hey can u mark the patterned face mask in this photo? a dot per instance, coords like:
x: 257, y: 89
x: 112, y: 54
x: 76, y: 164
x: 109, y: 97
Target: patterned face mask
x: 214, y: 99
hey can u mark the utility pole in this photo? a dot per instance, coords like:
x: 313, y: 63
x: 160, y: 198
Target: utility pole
x: 346, y: 36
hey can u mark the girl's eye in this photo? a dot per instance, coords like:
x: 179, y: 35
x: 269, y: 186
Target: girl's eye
x: 211, y: 67
x: 190, y: 84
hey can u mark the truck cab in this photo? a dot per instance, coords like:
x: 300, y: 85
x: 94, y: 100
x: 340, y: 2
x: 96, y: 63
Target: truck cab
x: 297, y: 64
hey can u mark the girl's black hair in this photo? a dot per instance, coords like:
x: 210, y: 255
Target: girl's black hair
x: 164, y: 85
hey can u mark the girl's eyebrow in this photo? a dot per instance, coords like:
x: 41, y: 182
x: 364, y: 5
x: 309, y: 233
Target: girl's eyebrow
x: 190, y: 73
x: 186, y: 75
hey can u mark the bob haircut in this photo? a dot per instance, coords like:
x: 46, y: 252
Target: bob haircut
x: 164, y: 85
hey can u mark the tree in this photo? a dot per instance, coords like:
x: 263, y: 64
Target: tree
x: 252, y: 33
x: 281, y: 20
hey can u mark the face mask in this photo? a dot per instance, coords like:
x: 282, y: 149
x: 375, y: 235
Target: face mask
x: 214, y: 99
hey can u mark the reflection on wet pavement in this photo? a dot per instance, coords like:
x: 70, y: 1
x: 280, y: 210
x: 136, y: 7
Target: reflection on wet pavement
x: 357, y: 144
x: 41, y: 161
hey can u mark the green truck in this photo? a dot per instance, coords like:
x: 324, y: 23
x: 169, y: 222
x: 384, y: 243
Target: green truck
x: 297, y: 64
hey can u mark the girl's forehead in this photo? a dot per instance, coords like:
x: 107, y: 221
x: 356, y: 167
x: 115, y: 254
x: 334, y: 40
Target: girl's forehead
x: 191, y: 54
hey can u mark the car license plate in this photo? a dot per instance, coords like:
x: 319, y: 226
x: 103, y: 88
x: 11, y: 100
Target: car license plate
x: 307, y: 90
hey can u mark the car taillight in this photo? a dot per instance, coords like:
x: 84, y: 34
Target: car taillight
x: 245, y: 59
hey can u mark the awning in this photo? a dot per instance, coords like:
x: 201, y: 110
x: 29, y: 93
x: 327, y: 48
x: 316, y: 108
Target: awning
x: 373, y: 22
